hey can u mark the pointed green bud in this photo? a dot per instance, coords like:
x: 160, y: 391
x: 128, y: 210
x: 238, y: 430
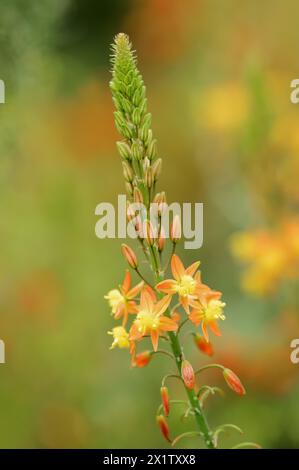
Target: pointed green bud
x: 124, y: 150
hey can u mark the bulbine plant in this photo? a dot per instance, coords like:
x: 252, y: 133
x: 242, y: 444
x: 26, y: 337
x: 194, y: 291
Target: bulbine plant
x: 159, y: 308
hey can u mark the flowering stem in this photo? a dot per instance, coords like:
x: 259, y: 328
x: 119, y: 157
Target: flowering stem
x: 166, y: 353
x: 209, y: 366
x: 143, y: 278
x: 199, y: 417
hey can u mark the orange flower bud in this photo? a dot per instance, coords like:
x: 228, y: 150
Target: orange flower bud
x: 203, y: 345
x: 137, y: 195
x: 233, y: 381
x: 165, y: 399
x: 162, y: 423
x: 161, y: 240
x: 142, y: 359
x: 188, y: 374
x: 176, y: 230
x: 129, y: 255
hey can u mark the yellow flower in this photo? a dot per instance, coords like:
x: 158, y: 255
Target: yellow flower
x: 121, y: 300
x: 115, y: 299
x: 184, y: 283
x: 120, y: 338
x: 208, y: 312
x: 150, y: 319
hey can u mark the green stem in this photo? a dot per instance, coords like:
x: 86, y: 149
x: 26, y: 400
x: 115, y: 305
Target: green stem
x: 199, y: 417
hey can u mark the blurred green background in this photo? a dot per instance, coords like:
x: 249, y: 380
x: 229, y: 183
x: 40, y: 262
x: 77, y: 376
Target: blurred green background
x: 218, y: 79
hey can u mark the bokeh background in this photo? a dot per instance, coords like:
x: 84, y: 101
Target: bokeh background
x: 218, y: 78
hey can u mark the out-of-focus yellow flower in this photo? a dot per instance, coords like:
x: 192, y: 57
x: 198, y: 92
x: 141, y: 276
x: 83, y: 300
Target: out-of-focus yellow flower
x: 208, y: 312
x: 120, y: 338
x: 223, y: 107
x: 271, y: 256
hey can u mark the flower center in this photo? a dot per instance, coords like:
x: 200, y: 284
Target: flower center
x: 147, y: 321
x: 214, y: 310
x: 120, y: 337
x: 186, y: 285
x: 115, y: 299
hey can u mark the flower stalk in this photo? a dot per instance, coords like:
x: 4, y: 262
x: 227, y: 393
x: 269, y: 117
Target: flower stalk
x: 151, y: 303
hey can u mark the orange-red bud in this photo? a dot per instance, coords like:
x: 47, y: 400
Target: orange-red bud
x: 129, y: 255
x: 233, y: 381
x: 176, y: 230
x: 203, y: 345
x: 162, y: 423
x: 188, y: 374
x: 165, y: 399
x: 142, y: 359
x: 161, y: 240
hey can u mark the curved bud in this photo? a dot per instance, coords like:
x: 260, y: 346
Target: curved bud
x: 162, y: 423
x: 203, y: 345
x: 188, y: 374
x: 142, y: 359
x: 129, y: 255
x: 233, y: 382
x: 165, y: 399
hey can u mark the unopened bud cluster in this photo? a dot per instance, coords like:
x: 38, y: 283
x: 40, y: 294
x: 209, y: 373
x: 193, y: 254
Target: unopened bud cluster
x: 138, y: 150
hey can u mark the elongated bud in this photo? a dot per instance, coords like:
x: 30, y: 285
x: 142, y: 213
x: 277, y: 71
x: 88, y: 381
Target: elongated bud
x: 128, y: 172
x: 152, y: 150
x: 129, y: 255
x: 142, y: 359
x: 146, y: 164
x: 130, y: 212
x: 137, y: 151
x: 188, y: 374
x: 145, y: 127
x: 175, y: 230
x: 138, y: 227
x: 203, y: 345
x: 161, y: 240
x: 233, y: 381
x: 149, y: 177
x: 149, y: 233
x: 165, y: 400
x: 138, y: 198
x: 124, y: 150
x: 136, y: 116
x: 162, y: 423
x: 157, y: 167
x: 129, y: 188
